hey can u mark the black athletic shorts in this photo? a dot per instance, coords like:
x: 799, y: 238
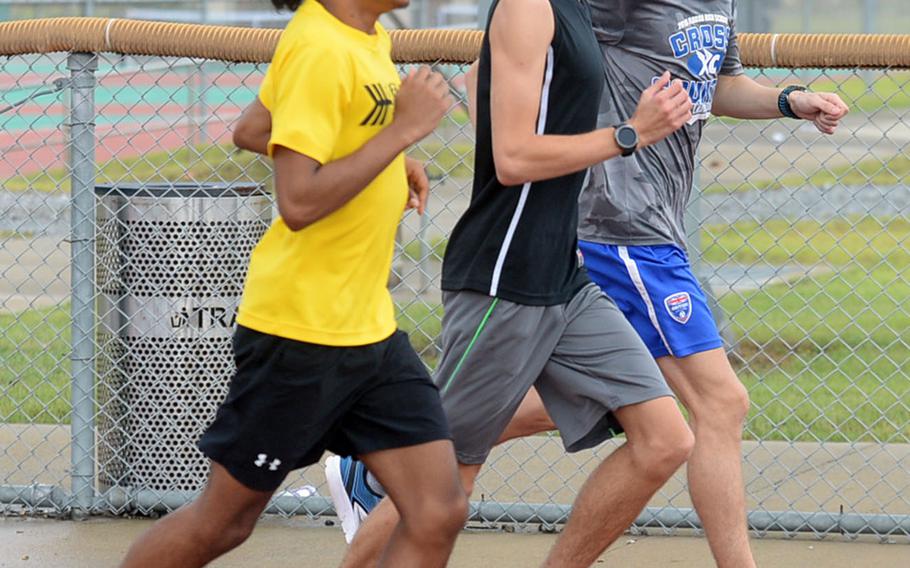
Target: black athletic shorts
x: 290, y: 401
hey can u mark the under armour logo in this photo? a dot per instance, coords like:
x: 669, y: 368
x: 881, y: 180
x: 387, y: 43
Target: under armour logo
x: 382, y: 102
x: 261, y: 460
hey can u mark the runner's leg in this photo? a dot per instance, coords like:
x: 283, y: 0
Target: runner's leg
x: 718, y: 403
x: 531, y: 418
x: 599, y: 378
x: 658, y: 443
x: 493, y: 351
x: 422, y: 483
x: 218, y: 521
x: 380, y: 526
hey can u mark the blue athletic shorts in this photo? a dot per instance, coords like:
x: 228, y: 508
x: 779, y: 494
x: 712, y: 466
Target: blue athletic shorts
x: 656, y: 290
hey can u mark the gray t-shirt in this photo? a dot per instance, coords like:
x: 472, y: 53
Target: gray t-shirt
x: 640, y: 199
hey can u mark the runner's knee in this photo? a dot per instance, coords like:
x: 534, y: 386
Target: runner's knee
x: 660, y: 455
x: 468, y: 485
x: 436, y: 518
x: 235, y: 535
x: 222, y: 535
x: 724, y: 408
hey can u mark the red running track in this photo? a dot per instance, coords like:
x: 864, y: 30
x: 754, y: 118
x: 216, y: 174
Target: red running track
x: 29, y: 152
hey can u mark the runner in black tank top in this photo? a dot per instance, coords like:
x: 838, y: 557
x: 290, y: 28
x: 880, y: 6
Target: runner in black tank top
x: 519, y: 243
x: 519, y: 310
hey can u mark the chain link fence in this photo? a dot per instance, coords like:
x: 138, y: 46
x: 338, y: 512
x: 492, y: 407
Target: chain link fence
x: 126, y: 217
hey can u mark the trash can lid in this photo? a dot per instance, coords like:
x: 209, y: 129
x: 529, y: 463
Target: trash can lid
x: 180, y: 189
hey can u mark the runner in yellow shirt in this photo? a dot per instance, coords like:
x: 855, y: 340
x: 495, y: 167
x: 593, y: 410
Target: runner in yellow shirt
x: 320, y: 362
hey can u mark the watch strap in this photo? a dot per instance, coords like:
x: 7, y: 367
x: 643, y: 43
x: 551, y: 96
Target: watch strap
x: 783, y: 100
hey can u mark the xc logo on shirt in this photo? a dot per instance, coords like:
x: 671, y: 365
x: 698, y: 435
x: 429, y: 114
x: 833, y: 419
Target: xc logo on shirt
x: 382, y: 103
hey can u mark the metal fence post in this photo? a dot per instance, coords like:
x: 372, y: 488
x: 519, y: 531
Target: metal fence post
x: 82, y: 68
x: 483, y: 12
x: 805, y: 25
x: 199, y: 105
x: 870, y: 16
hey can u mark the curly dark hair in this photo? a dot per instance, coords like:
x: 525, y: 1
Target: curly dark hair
x: 290, y: 5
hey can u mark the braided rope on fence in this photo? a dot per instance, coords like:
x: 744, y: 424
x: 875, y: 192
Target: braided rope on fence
x: 226, y: 43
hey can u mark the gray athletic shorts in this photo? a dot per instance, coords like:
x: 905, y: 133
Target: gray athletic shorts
x: 584, y: 358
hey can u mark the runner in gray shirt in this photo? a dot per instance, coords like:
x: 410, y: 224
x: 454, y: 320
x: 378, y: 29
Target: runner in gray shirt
x: 641, y: 200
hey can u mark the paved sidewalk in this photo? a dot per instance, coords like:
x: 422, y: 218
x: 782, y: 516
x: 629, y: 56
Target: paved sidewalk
x: 42, y: 543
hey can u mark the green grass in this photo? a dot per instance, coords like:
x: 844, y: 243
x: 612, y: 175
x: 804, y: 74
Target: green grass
x: 455, y: 159
x: 422, y: 322
x: 894, y: 171
x: 867, y: 241
x: 203, y: 164
x: 827, y: 358
x: 223, y: 163
x: 436, y: 251
x: 877, y: 172
x: 890, y: 90
x: 457, y: 117
x: 218, y: 163
x: 34, y: 366
x: 6, y: 234
x: 823, y: 357
x: 882, y: 90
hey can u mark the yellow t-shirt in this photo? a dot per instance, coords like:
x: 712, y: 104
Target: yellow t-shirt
x: 330, y: 88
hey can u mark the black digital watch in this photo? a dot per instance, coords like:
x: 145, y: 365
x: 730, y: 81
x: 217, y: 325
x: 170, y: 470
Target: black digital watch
x: 626, y: 138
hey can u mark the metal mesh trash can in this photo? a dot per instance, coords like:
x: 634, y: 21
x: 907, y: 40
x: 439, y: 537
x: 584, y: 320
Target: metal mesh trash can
x: 171, y: 263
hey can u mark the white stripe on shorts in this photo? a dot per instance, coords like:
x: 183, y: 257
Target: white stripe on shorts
x: 635, y: 275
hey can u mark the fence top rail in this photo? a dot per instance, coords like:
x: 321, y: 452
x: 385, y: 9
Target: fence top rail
x: 139, y: 37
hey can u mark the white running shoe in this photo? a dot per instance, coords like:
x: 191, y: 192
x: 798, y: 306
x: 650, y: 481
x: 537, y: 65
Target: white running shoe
x: 351, y: 495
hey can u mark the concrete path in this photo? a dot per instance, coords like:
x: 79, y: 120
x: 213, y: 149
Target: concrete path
x: 42, y: 543
x: 34, y: 273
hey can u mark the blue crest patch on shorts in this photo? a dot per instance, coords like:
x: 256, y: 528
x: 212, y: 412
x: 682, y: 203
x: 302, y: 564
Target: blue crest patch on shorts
x: 679, y: 306
x: 642, y: 278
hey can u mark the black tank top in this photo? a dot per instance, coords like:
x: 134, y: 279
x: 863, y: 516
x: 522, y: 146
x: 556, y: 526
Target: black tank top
x: 519, y: 242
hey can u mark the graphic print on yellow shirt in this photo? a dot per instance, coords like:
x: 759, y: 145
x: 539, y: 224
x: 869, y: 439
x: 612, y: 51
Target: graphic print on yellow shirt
x: 330, y: 88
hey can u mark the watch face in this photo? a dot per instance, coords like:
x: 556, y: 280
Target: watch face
x: 626, y: 136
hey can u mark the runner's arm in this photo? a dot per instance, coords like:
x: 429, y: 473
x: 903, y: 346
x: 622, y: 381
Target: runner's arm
x: 739, y: 96
x: 470, y: 84
x: 520, y: 34
x: 254, y: 128
x: 307, y: 190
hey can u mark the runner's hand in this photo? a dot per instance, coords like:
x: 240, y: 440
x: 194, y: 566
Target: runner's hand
x: 422, y: 101
x: 418, y: 185
x: 663, y: 108
x: 825, y: 110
